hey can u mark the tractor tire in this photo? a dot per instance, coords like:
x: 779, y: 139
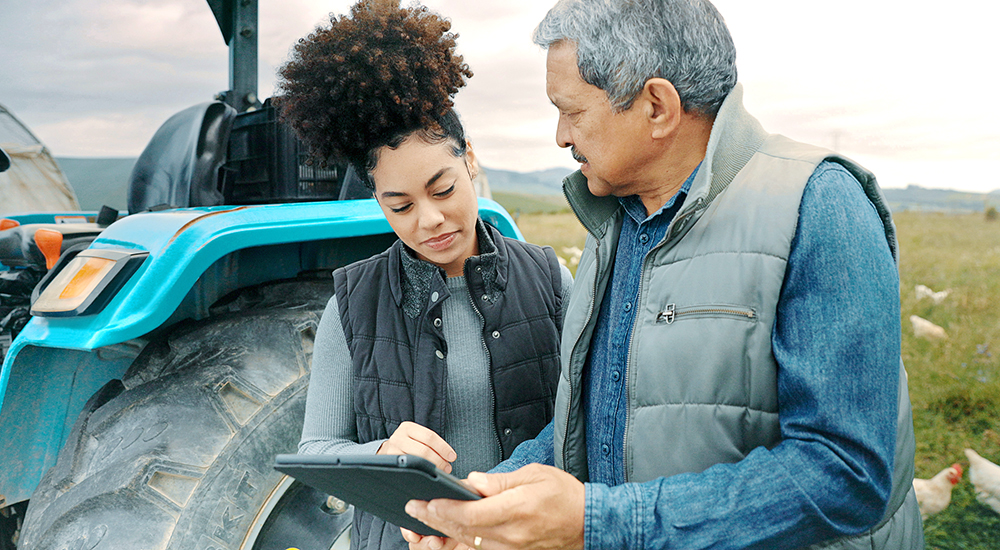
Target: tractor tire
x: 179, y: 453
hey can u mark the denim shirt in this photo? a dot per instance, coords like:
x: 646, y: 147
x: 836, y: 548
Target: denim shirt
x: 605, y: 395
x: 836, y: 394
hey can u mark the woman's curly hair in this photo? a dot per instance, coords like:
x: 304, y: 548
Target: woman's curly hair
x: 370, y: 79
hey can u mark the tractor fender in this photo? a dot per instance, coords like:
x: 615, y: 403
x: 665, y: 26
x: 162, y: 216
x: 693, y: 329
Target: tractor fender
x: 188, y: 251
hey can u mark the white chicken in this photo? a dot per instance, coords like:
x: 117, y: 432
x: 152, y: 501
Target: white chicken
x: 934, y: 494
x: 922, y: 328
x: 985, y: 478
x: 936, y: 297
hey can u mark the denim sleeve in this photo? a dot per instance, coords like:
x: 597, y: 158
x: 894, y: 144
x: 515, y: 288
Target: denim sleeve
x: 537, y: 450
x: 837, y: 343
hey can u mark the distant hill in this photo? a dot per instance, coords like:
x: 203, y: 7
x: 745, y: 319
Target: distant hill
x: 104, y: 181
x: 918, y: 198
x: 540, y: 182
x: 99, y: 181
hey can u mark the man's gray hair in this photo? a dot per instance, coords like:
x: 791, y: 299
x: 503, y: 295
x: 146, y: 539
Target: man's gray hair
x: 623, y: 43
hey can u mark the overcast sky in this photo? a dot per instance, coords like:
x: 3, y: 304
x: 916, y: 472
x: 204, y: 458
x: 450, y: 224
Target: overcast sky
x: 906, y: 90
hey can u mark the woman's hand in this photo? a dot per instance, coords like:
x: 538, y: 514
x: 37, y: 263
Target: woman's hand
x: 414, y: 439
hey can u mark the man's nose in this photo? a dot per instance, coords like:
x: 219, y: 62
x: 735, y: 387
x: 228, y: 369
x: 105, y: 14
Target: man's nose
x: 563, y: 138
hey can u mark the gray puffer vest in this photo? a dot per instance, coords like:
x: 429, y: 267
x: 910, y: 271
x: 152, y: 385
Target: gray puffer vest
x: 708, y: 294
x: 390, y: 307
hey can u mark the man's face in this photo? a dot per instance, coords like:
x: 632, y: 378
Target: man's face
x: 608, y: 145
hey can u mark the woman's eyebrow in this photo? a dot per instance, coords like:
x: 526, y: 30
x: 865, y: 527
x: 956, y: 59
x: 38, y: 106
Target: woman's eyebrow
x: 436, y: 177
x: 430, y: 182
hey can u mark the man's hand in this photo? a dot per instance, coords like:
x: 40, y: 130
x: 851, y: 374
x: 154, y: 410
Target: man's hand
x: 535, y: 508
x: 414, y: 439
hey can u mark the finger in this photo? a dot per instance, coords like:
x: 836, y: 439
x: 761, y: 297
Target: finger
x: 494, y: 484
x: 417, y: 449
x: 418, y: 510
x: 419, y: 542
x: 485, y: 484
x: 505, y: 495
x: 431, y: 439
x: 409, y: 536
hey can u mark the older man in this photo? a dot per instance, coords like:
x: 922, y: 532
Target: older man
x: 731, y: 374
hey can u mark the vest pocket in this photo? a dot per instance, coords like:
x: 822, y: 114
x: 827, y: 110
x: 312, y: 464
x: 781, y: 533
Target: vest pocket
x: 673, y: 313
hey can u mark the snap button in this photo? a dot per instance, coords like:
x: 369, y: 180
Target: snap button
x: 605, y: 448
x: 437, y: 322
x: 615, y: 376
x: 486, y: 298
x: 434, y: 296
x: 507, y: 431
x: 628, y: 306
x: 439, y: 354
x: 479, y: 269
x: 644, y: 238
x: 496, y: 334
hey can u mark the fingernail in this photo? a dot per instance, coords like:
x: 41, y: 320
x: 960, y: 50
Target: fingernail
x: 410, y: 508
x: 435, y: 544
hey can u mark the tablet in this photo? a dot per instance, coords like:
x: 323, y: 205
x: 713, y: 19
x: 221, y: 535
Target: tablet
x: 378, y: 484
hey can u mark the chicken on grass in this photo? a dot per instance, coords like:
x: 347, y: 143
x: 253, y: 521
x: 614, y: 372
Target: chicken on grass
x: 934, y: 494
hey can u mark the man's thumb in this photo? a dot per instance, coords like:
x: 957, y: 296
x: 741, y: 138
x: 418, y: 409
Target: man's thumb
x: 488, y: 484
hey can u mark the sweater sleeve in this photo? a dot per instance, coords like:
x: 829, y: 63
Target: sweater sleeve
x: 330, y: 426
x: 567, y: 288
x: 837, y: 343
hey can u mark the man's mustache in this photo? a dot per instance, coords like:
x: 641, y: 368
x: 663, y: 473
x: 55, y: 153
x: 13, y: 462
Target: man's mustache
x: 577, y: 156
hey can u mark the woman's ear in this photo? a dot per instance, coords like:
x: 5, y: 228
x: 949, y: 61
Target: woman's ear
x: 470, y: 160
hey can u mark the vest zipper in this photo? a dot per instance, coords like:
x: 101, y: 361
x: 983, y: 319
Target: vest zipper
x: 489, y: 362
x: 679, y: 222
x: 672, y: 312
x: 569, y: 377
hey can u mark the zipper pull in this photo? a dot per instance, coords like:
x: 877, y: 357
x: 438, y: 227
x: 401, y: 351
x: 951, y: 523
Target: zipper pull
x: 667, y: 316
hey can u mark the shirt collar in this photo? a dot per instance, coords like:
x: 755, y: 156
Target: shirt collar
x: 637, y: 210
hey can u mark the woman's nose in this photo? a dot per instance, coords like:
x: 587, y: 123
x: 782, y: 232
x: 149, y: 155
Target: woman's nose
x: 431, y: 216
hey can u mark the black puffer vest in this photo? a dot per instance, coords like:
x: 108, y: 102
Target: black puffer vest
x: 390, y: 306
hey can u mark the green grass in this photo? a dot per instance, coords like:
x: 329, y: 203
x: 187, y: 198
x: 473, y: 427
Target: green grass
x: 954, y: 383
x: 518, y: 204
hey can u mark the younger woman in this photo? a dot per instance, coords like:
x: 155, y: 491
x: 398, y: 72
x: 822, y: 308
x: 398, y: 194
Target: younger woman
x: 445, y: 346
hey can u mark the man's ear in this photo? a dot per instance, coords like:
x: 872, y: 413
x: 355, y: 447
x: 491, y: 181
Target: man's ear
x: 664, y: 107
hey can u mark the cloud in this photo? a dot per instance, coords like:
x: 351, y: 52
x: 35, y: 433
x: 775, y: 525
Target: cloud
x: 883, y: 80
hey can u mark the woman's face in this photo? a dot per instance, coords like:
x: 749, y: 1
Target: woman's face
x: 427, y: 195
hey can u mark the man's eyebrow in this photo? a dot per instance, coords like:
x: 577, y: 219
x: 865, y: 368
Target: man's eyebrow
x: 430, y: 182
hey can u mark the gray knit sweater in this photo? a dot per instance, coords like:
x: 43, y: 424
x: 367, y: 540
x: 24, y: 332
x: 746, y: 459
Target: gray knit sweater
x: 330, y: 426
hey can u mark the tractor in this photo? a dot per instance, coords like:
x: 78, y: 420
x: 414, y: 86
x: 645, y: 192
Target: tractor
x: 157, y: 360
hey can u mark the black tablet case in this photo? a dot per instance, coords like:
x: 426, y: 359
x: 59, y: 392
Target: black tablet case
x: 378, y: 484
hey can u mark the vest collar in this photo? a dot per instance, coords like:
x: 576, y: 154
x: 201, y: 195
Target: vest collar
x: 736, y: 136
x: 412, y: 288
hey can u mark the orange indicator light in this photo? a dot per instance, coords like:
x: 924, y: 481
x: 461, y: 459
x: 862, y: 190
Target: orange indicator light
x: 86, y: 278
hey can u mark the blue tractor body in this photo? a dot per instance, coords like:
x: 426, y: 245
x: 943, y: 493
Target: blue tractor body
x: 166, y: 356
x: 196, y: 256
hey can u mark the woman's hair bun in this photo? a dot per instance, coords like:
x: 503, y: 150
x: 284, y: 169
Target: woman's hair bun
x: 381, y: 71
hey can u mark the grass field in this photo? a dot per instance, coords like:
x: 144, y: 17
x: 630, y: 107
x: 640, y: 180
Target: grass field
x: 954, y: 383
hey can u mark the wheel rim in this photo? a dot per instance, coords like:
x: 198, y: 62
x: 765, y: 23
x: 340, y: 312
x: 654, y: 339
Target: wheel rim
x: 295, y: 516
